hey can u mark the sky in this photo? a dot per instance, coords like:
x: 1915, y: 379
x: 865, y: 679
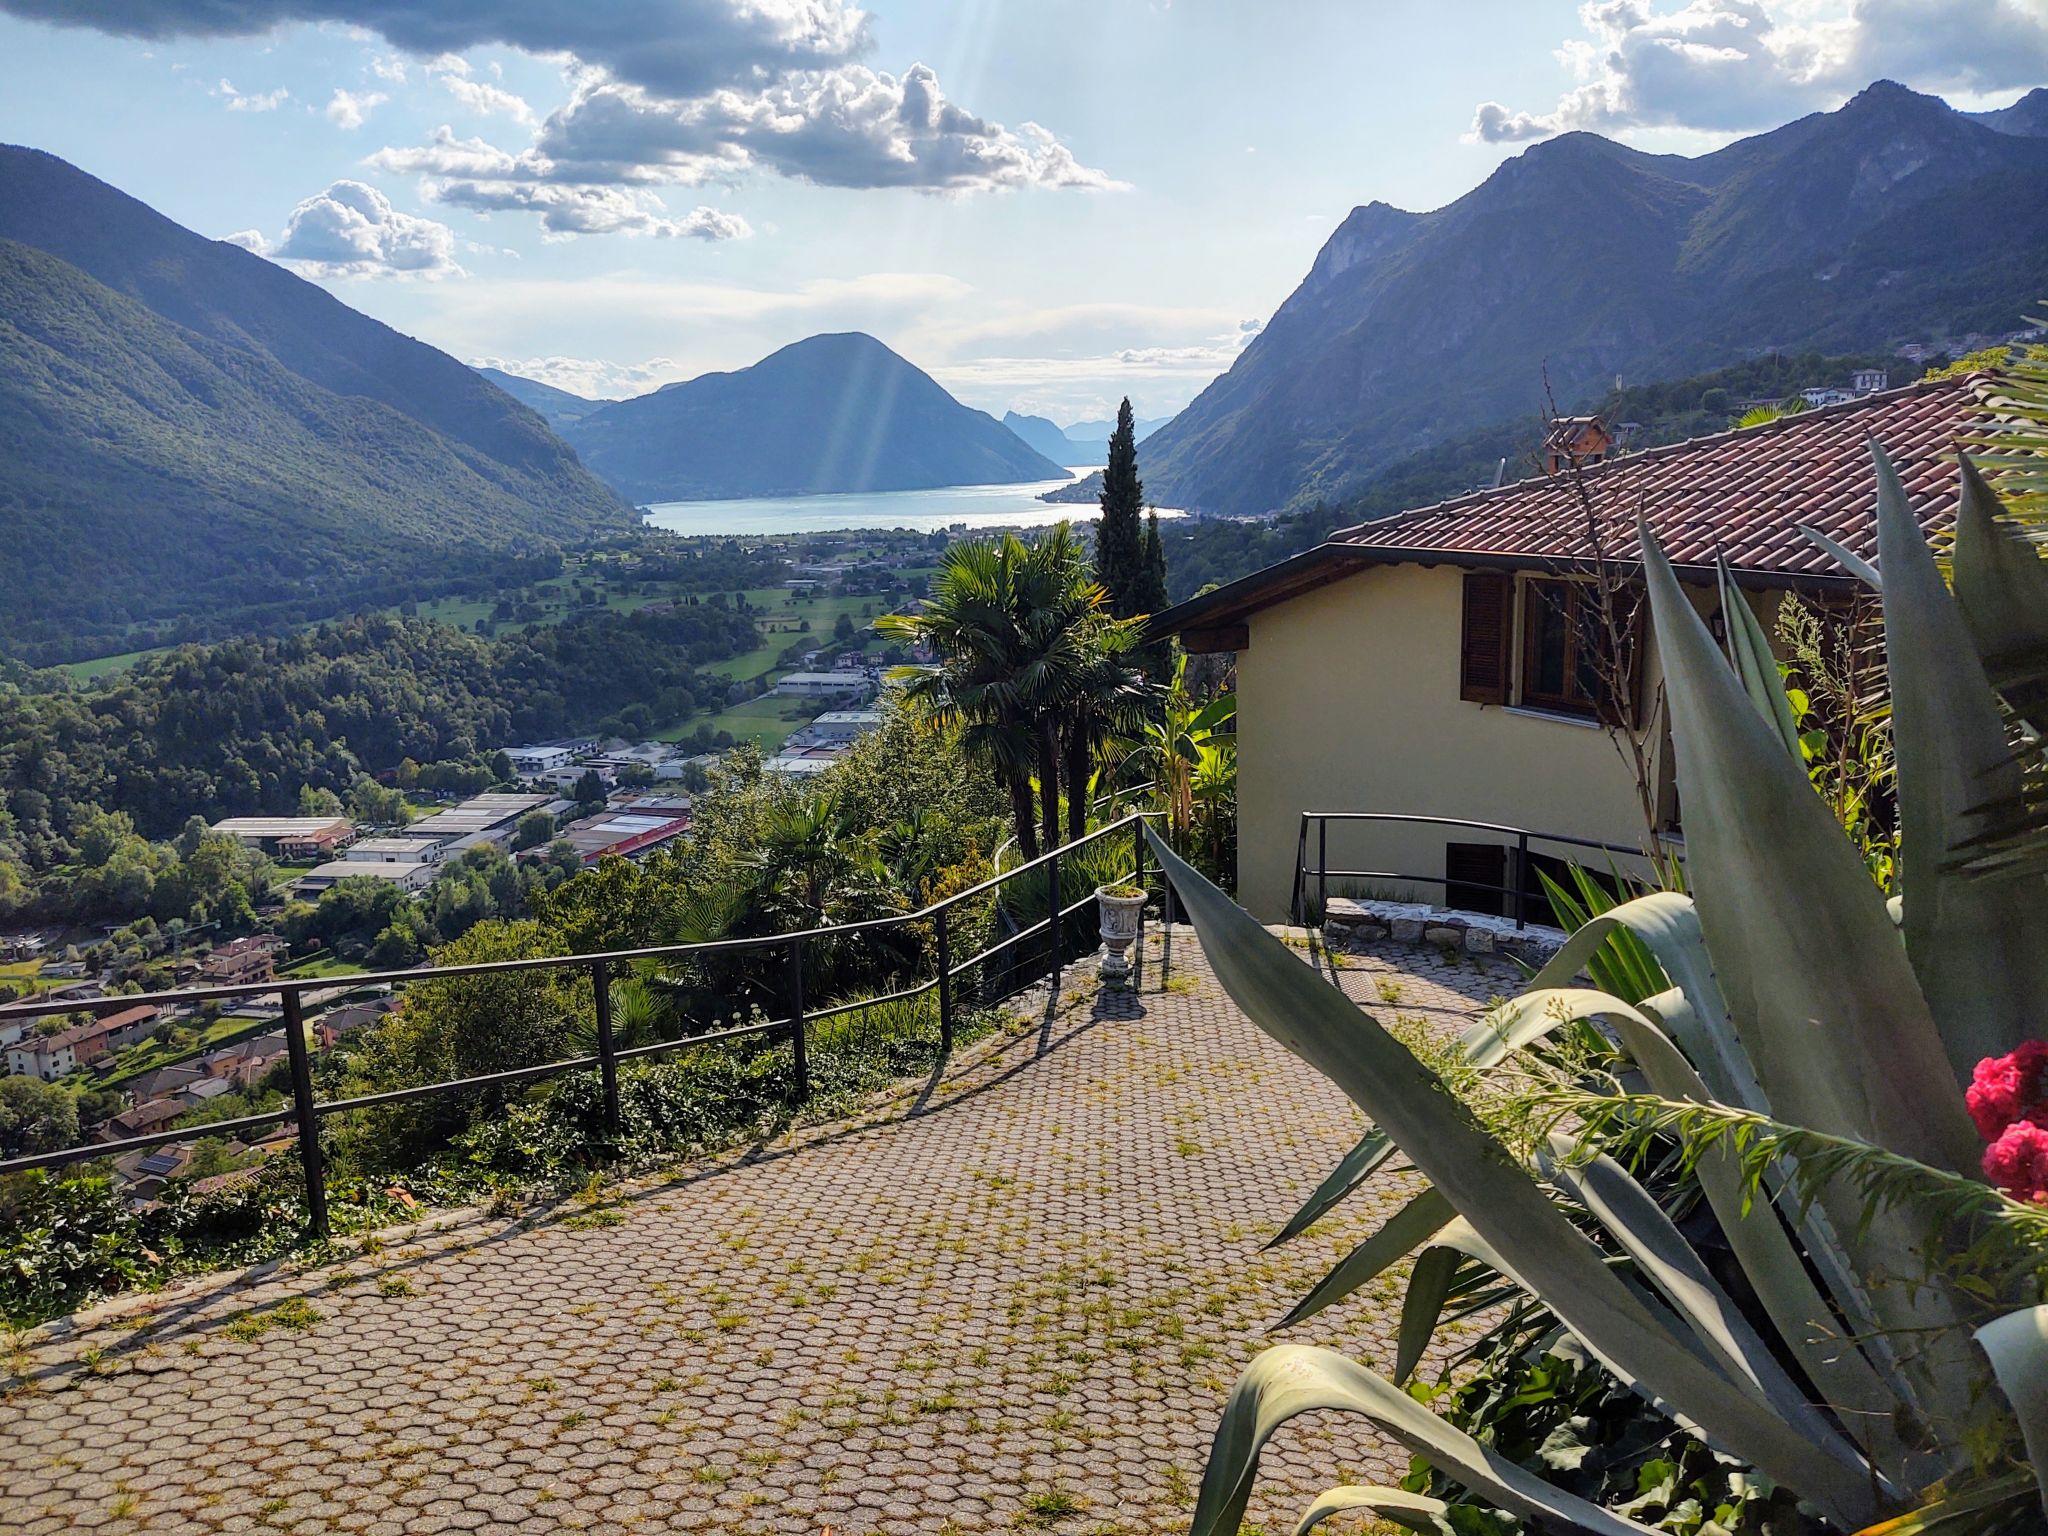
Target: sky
x: 1046, y: 204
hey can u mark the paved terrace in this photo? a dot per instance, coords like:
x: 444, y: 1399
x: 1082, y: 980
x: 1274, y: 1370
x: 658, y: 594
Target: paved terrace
x: 1011, y: 1300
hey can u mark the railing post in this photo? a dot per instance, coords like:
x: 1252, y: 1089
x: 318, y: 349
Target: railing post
x: 1052, y: 875
x: 302, y: 1109
x: 1165, y: 929
x: 945, y: 987
x: 607, y: 1052
x: 1521, y: 878
x: 1322, y: 871
x: 799, y: 1047
x: 1138, y: 880
x: 1300, y: 860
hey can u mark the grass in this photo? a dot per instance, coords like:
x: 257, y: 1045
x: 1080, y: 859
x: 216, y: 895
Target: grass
x: 767, y: 721
x: 97, y: 667
x: 322, y: 965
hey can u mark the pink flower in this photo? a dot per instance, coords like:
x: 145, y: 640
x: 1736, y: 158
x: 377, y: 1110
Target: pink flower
x: 2017, y: 1162
x: 2006, y: 1089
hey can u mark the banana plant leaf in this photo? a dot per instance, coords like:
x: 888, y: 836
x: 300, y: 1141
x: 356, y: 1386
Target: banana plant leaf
x: 1749, y: 648
x: 2018, y: 1346
x: 1417, y: 1511
x: 1500, y: 1199
x: 1816, y: 981
x: 1981, y: 955
x: 1292, y: 1379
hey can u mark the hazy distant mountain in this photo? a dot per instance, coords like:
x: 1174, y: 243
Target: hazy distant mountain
x: 1041, y: 435
x: 1094, y: 435
x: 189, y: 428
x: 1895, y: 218
x: 557, y: 407
x: 2027, y: 116
x: 831, y: 413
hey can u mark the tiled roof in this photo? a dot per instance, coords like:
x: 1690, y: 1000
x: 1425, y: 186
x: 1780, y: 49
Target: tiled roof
x: 1743, y: 494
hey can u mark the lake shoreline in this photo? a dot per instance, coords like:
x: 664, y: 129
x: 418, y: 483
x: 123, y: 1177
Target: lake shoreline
x: 939, y: 509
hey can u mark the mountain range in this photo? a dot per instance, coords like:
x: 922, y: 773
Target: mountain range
x: 826, y: 414
x: 1580, y: 261
x: 187, y: 428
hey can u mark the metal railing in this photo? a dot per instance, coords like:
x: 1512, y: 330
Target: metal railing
x: 307, y: 1110
x: 1516, y: 890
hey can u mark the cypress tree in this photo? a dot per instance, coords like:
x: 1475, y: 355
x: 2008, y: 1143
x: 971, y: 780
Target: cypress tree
x: 1152, y: 574
x: 1119, y: 533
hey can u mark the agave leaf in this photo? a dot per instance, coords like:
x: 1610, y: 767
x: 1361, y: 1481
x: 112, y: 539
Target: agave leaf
x: 1853, y: 563
x: 1669, y: 926
x: 1750, y: 650
x: 2018, y: 1346
x: 1815, y: 978
x: 1405, y: 1231
x: 1417, y: 1511
x: 1981, y: 955
x: 2001, y: 585
x: 1492, y: 1191
x: 1292, y: 1379
x: 1429, y: 1282
x: 1662, y: 1255
x: 1359, y: 1164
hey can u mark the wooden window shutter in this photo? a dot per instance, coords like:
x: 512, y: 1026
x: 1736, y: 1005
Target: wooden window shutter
x: 1483, y: 638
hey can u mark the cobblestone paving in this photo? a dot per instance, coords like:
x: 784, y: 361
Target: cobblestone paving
x: 1015, y: 1301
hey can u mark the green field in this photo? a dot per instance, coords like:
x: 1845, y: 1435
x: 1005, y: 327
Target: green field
x: 766, y: 721
x: 104, y: 666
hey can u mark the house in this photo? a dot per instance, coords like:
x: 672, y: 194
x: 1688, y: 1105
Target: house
x: 331, y: 1026
x: 50, y: 1057
x: 826, y: 685
x: 407, y: 877
x: 129, y: 1025
x: 1869, y: 381
x: 145, y: 1118
x: 165, y: 1082
x: 253, y: 958
x: 1825, y: 395
x: 532, y: 762
x: 291, y: 838
x: 1427, y: 665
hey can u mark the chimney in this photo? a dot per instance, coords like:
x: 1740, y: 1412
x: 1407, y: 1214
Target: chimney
x: 1580, y: 440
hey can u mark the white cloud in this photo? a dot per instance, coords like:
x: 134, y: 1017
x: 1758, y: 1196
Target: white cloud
x: 350, y: 109
x: 847, y: 127
x: 482, y: 97
x: 238, y: 101
x: 387, y: 66
x: 352, y: 230
x: 593, y: 378
x: 572, y: 210
x: 1733, y: 65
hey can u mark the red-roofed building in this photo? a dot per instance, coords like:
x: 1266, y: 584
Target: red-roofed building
x: 1429, y: 663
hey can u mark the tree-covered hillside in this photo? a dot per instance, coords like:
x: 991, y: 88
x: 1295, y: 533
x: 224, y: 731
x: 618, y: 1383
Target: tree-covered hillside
x: 187, y: 428
x: 243, y: 726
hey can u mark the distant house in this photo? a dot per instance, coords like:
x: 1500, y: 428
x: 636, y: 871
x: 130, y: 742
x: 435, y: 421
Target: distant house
x: 145, y: 1118
x: 1427, y: 664
x: 50, y: 1057
x: 1869, y: 381
x: 129, y: 1025
x: 165, y: 1082
x: 253, y: 958
x: 407, y: 877
x: 1826, y: 395
x: 532, y: 762
x: 393, y: 850
x: 291, y: 838
x: 825, y: 685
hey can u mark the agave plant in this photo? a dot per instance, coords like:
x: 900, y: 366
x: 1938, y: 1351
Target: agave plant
x: 1809, y: 1042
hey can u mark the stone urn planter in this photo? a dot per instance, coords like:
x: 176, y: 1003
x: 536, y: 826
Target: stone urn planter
x: 1120, y: 906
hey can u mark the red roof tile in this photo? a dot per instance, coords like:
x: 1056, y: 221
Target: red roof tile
x: 1742, y: 494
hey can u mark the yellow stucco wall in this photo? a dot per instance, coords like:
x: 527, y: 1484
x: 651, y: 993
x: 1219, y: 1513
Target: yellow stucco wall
x: 1348, y: 701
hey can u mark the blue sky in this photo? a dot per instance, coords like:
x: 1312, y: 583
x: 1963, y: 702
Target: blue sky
x: 1045, y: 204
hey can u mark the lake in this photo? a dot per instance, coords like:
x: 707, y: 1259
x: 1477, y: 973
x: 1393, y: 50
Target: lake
x: 978, y: 506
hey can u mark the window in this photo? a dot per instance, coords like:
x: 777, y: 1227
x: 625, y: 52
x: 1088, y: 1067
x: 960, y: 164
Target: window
x: 1559, y: 621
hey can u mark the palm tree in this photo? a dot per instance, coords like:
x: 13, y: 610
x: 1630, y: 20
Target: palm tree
x: 1019, y: 630
x: 1109, y: 704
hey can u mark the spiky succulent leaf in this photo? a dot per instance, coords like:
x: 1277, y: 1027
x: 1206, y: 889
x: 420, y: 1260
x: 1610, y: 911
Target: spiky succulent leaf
x: 1417, y: 1511
x: 1402, y: 1233
x: 2001, y: 585
x: 1290, y: 1379
x: 1749, y: 649
x: 2018, y: 1346
x: 1980, y: 954
x: 1497, y: 1196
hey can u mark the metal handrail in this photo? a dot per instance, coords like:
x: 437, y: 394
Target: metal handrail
x: 1517, y: 891
x: 306, y: 1110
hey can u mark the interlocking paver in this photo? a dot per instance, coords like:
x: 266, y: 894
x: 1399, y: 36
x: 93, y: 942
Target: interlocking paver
x: 1015, y: 1302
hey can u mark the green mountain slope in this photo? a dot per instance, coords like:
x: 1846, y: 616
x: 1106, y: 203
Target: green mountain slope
x: 189, y: 430
x: 1581, y: 260
x: 831, y: 413
x: 557, y: 407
